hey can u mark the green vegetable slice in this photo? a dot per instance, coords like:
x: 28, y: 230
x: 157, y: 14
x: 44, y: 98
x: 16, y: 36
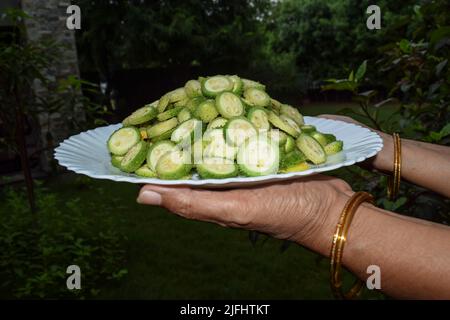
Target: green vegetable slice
x: 135, y: 157
x: 252, y: 84
x: 193, y: 103
x: 140, y: 116
x: 322, y: 139
x: 169, y: 113
x: 330, y: 137
x: 278, y: 136
x: 280, y: 124
x: 156, y: 151
x: 163, y: 103
x: 217, y: 168
x: 237, y: 130
x: 290, y: 122
x: 292, y: 113
x: 177, y: 95
x: 123, y: 140
x: 290, y: 144
x: 165, y: 136
x: 238, y: 85
x: 206, y: 111
x: 174, y: 165
x: 292, y: 158
x: 116, y: 160
x: 312, y: 149
x: 257, y: 97
x: 334, y: 147
x: 216, y: 146
x: 258, y: 156
x: 161, y: 127
x: 308, y: 129
x: 146, y: 172
x: 187, y: 131
x: 213, y: 86
x: 229, y: 105
x: 184, y: 115
x: 193, y: 88
x: 217, y: 123
x: 259, y: 118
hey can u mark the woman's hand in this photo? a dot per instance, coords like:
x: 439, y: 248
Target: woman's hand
x: 384, y: 160
x: 305, y: 211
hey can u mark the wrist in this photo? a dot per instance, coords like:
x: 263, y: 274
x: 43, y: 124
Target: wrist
x: 321, y: 227
x: 384, y: 160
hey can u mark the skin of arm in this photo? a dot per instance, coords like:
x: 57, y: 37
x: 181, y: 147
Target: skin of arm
x: 425, y: 164
x: 413, y: 255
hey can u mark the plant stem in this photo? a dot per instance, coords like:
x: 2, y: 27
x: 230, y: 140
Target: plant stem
x: 23, y: 153
x: 367, y: 113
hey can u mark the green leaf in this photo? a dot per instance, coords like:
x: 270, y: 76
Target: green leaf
x: 351, y: 76
x: 361, y: 71
x: 384, y: 102
x: 404, y: 46
x: 341, y: 85
x: 445, y: 131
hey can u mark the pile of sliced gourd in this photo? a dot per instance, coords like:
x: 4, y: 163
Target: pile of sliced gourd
x: 218, y: 127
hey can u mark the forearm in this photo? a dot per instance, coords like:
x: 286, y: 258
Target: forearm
x: 413, y: 256
x: 424, y: 164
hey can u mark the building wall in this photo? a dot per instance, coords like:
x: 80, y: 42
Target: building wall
x: 49, y: 21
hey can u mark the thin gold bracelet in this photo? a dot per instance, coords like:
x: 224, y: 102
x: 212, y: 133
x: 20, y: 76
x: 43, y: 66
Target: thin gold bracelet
x: 393, y: 186
x: 337, y: 247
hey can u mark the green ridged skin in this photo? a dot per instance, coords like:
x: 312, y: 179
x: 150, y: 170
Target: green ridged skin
x: 161, y: 127
x: 238, y: 85
x: 237, y: 130
x: 146, y: 172
x: 258, y: 156
x: 184, y: 115
x: 217, y: 123
x: 140, y: 116
x: 229, y: 105
x: 322, y: 139
x: 334, y: 147
x: 173, y: 165
x: 292, y: 113
x: 213, y: 86
x: 330, y: 137
x: 156, y: 151
x: 257, y: 97
x: 259, y: 118
x: 116, y: 160
x: 276, y: 121
x: 169, y: 114
x: 312, y: 149
x: 217, y: 168
x: 308, y: 129
x: 206, y: 111
x: 292, y: 158
x: 193, y: 103
x: 193, y: 88
x: 289, y: 145
x: 123, y: 140
x: 134, y: 158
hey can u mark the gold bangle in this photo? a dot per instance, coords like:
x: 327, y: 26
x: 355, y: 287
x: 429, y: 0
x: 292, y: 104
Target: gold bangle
x: 337, y: 247
x: 393, y: 186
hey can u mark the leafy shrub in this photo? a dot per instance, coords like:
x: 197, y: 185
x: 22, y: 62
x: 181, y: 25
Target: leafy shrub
x: 38, y: 248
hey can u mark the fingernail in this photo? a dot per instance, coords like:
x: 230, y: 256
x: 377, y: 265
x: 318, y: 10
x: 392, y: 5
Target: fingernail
x: 149, y: 197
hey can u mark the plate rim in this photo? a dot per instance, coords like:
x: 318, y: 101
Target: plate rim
x: 222, y: 182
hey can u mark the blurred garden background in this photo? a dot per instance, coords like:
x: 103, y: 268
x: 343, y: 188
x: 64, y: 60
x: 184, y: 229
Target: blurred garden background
x: 317, y: 55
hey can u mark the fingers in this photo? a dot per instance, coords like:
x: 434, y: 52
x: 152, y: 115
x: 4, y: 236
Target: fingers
x: 223, y: 207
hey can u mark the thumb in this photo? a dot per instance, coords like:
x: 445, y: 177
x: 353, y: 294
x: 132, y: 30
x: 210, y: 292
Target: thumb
x: 213, y: 206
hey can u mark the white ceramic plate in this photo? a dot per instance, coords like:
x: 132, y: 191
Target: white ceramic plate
x: 86, y: 153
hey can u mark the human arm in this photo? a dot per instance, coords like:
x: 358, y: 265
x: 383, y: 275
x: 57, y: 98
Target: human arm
x: 425, y: 164
x: 413, y: 255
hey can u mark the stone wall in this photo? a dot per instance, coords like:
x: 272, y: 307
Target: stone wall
x: 49, y: 21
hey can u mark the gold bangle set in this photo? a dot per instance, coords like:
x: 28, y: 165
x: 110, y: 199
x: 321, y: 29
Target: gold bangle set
x: 394, y: 180
x: 340, y: 235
